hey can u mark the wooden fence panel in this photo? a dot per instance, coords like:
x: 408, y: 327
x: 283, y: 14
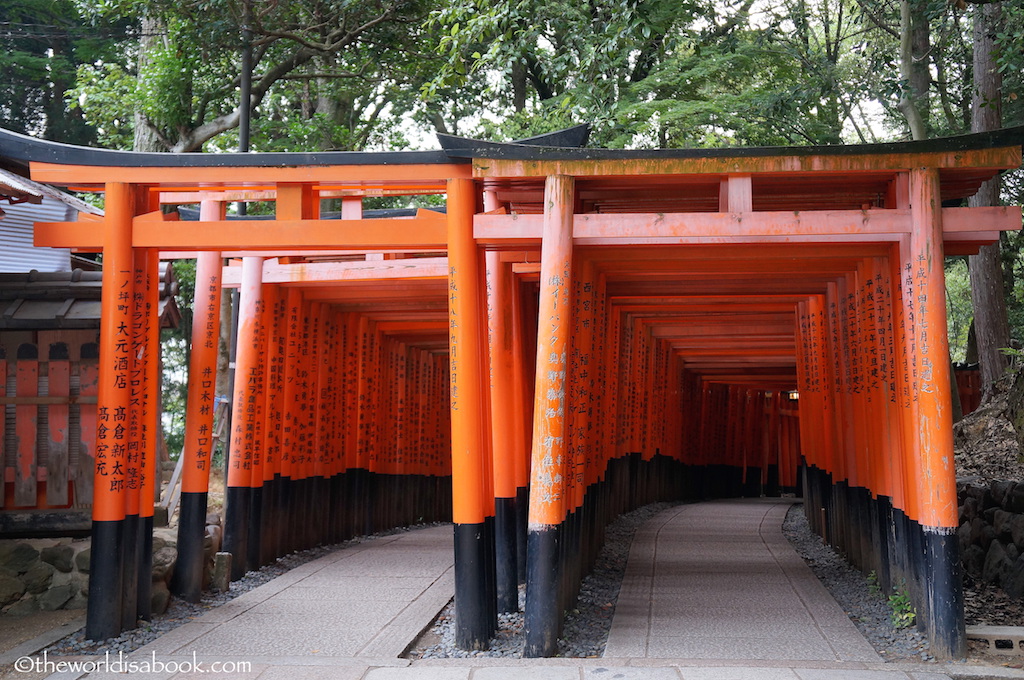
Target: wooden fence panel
x: 57, y: 463
x: 3, y: 426
x: 88, y: 371
x: 26, y: 426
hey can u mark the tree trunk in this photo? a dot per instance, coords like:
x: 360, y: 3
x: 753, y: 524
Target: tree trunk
x: 145, y: 138
x: 988, y: 295
x: 914, y: 42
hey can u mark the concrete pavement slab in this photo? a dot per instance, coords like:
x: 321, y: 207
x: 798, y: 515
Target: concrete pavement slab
x: 433, y: 673
x: 737, y: 673
x: 630, y: 673
x: 179, y: 638
x: 314, y: 673
x: 695, y: 647
x: 844, y: 674
x: 526, y: 673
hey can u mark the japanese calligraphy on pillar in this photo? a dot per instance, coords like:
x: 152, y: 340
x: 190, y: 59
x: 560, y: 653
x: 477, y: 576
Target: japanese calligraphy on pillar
x: 112, y: 416
x: 207, y: 313
x: 136, y: 379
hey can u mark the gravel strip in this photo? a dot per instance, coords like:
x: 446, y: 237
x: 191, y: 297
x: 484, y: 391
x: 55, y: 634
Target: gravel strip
x: 868, y: 610
x: 586, y: 627
x: 180, y: 612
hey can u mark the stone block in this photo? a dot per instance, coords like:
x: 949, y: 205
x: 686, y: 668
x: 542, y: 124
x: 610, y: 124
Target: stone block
x: 974, y: 560
x: 60, y: 556
x: 11, y: 589
x: 963, y: 535
x: 1013, y: 580
x: 38, y: 577
x: 21, y: 558
x: 996, y: 564
x: 82, y: 560
x: 970, y: 508
x: 1001, y: 523
x: 163, y: 563
x: 23, y: 607
x: 1001, y: 491
x: 1015, y: 499
x: 1012, y: 552
x: 55, y: 598
x: 160, y: 597
x: 221, y: 572
x: 214, y: 533
x: 1017, y: 529
x: 988, y: 534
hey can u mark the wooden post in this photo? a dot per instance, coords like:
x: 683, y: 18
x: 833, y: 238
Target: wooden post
x: 187, y: 581
x: 503, y: 429
x: 472, y: 512
x: 59, y: 384
x: 106, y: 564
x: 248, y: 384
x: 290, y: 421
x: 149, y: 429
x: 275, y: 318
x: 133, y: 450
x: 254, y: 418
x: 935, y: 510
x: 547, y: 483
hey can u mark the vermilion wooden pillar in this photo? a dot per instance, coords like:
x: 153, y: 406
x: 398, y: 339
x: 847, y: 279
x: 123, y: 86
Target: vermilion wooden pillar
x: 472, y: 511
x: 255, y: 429
x: 547, y: 485
x: 248, y: 384
x: 130, y: 577
x: 522, y: 425
x: 290, y: 443
x: 275, y: 320
x: 198, y: 452
x: 106, y: 565
x: 935, y: 510
x: 150, y: 424
x: 503, y: 429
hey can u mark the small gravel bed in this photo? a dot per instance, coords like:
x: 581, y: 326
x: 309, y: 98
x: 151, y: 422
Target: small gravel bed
x: 868, y: 610
x: 180, y: 612
x: 586, y: 627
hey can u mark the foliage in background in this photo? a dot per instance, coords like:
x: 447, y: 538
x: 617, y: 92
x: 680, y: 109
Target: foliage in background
x: 175, y: 348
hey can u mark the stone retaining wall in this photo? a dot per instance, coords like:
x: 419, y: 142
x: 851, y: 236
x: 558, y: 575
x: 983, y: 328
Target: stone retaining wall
x: 53, y: 573
x: 992, y: 532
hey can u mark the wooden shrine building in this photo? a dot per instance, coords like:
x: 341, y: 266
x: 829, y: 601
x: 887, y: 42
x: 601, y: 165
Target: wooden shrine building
x: 579, y: 332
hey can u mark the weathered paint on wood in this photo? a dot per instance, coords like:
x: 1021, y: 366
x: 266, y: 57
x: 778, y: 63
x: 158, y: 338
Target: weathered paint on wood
x: 26, y: 427
x: 57, y: 463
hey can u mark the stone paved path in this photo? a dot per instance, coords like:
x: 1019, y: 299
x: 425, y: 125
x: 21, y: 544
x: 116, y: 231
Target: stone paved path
x: 718, y: 580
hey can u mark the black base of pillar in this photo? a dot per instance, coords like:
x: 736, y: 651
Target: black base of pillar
x: 106, y: 568
x: 752, y: 483
x: 268, y: 534
x: 187, y: 581
x: 507, y: 583
x: 130, y: 579
x: 236, y: 528
x: 947, y: 638
x: 475, y: 619
x: 254, y: 542
x: 144, y: 611
x: 771, y: 488
x: 543, y: 618
x: 522, y: 516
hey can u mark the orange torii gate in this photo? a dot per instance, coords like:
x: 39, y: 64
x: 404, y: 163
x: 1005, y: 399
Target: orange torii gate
x: 644, y: 325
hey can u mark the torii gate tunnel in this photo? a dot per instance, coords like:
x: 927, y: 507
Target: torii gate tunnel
x: 581, y: 332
